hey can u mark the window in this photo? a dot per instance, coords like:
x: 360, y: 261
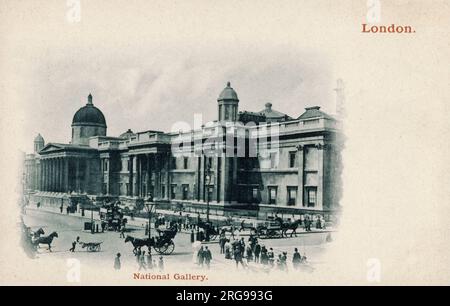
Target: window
x: 272, y: 194
x: 128, y: 188
x: 185, y: 163
x: 292, y: 157
x: 173, y: 163
x: 185, y: 189
x: 163, y: 191
x: 312, y: 197
x: 273, y: 160
x: 173, y: 191
x: 292, y: 196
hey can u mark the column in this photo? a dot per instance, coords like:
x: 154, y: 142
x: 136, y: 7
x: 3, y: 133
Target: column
x: 168, y: 188
x: 42, y: 175
x: 137, y: 192
x: 77, y: 175
x: 130, y: 176
x: 300, y: 175
x: 66, y: 174
x: 87, y: 176
x: 45, y: 164
x: 157, y: 166
x: 149, y: 176
x: 319, y: 195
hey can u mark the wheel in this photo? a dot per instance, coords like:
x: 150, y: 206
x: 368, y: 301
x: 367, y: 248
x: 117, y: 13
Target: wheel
x: 169, y: 248
x: 161, y: 249
x: 90, y: 248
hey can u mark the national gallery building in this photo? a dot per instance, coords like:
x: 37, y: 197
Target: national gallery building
x: 244, y: 163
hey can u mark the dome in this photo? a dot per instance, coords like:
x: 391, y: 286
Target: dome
x: 39, y: 138
x: 89, y: 115
x: 127, y: 134
x: 228, y: 93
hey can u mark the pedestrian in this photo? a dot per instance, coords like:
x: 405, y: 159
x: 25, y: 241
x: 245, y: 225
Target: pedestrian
x: 227, y: 249
x: 103, y: 226
x: 271, y: 257
x: 161, y: 264
x: 192, y: 236
x: 61, y: 209
x: 142, y: 261
x: 296, y: 259
x: 249, y: 253
x: 72, y: 249
x: 38, y: 204
x: 238, y: 257
x: 117, y: 264
x: 149, y: 260
x: 207, y: 256
x: 122, y: 232
x: 200, y: 257
x: 257, y: 252
x: 284, y: 262
x: 222, y: 241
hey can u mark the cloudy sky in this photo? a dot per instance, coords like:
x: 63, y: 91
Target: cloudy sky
x: 149, y: 65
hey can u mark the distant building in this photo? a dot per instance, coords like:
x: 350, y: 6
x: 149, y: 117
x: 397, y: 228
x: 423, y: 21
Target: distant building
x: 294, y: 169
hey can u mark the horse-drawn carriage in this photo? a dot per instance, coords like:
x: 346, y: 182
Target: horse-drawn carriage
x: 163, y: 243
x: 269, y: 229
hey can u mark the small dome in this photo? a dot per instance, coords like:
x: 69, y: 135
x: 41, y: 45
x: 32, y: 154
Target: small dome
x: 39, y: 138
x: 89, y: 115
x: 228, y: 93
x: 127, y: 134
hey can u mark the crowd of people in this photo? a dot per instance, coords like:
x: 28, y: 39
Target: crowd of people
x: 253, y: 252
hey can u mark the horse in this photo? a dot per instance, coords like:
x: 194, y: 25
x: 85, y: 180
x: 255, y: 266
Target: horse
x: 285, y: 226
x: 37, y: 234
x: 138, y: 242
x: 46, y: 240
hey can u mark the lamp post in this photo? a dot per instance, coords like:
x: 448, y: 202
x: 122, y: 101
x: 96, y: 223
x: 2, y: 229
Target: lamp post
x: 208, y: 181
x: 150, y: 205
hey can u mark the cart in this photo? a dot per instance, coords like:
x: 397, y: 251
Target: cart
x: 91, y: 246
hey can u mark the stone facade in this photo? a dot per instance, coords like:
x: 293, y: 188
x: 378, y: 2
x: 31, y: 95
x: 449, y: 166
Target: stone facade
x: 277, y: 164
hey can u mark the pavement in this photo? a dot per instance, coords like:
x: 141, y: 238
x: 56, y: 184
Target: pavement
x: 71, y: 226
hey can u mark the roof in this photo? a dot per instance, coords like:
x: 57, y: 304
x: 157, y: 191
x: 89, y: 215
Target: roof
x: 314, y: 112
x: 270, y: 113
x: 89, y: 115
x: 228, y: 93
x: 53, y: 147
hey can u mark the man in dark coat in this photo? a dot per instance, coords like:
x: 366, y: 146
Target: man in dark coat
x: 207, y: 256
x: 117, y: 264
x: 257, y: 251
x: 238, y: 257
x: 296, y: 259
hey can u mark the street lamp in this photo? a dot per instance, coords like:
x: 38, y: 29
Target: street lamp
x: 151, y: 206
x: 208, y: 181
